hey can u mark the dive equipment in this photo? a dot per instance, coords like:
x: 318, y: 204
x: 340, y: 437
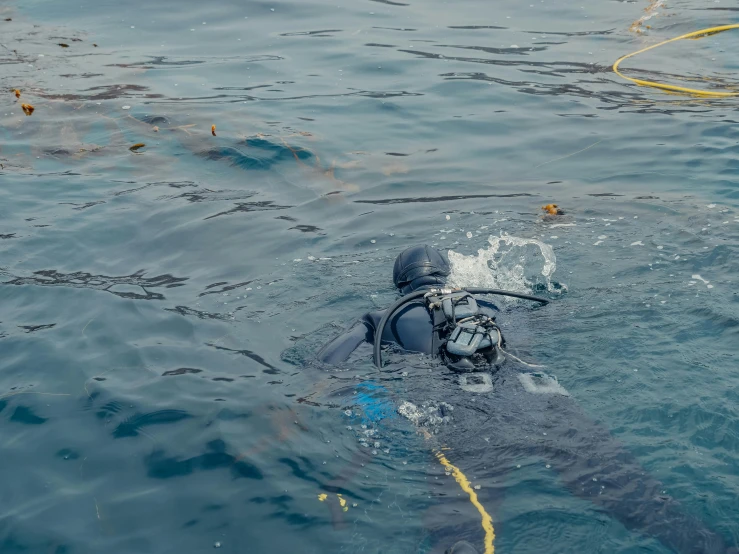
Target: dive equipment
x: 455, y: 310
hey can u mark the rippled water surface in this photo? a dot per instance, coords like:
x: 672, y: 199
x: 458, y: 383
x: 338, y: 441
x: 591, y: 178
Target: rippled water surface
x: 160, y: 307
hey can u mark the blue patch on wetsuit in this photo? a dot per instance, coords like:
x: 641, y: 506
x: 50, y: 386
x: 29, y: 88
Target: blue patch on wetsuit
x: 373, y: 401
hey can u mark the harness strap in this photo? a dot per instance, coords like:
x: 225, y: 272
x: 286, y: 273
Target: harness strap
x: 440, y: 324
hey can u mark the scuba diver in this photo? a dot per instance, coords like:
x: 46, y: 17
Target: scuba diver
x: 519, y: 412
x: 429, y: 319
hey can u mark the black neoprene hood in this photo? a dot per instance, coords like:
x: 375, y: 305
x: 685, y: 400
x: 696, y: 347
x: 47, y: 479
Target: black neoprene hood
x: 419, y: 261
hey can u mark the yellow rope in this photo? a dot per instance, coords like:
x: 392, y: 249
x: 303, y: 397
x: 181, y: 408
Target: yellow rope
x: 674, y: 88
x: 464, y: 483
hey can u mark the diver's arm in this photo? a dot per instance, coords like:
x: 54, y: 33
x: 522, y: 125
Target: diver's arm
x: 339, y: 349
x: 598, y: 468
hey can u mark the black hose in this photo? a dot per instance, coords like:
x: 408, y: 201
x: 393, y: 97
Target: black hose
x: 377, y: 351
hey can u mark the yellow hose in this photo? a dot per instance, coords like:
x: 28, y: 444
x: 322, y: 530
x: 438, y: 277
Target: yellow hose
x: 466, y: 486
x: 674, y: 88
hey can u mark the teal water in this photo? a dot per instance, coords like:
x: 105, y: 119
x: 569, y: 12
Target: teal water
x: 159, y: 309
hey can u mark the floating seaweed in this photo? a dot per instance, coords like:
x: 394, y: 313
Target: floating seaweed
x: 137, y: 146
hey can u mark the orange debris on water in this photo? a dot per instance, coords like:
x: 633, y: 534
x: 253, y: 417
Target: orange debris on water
x: 552, y: 209
x: 27, y: 109
x: 213, y: 130
x: 136, y: 146
x: 17, y: 93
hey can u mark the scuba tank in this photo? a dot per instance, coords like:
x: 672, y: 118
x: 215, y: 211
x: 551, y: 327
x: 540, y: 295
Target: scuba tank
x: 460, y: 330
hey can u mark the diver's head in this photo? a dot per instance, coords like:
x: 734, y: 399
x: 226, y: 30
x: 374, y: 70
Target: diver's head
x: 419, y: 267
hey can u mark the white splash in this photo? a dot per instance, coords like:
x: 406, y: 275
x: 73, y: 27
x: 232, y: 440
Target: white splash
x: 426, y: 414
x: 511, y: 263
x: 541, y: 383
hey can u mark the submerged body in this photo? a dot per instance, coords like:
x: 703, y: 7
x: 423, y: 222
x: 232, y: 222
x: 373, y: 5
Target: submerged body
x: 529, y: 415
x: 514, y: 414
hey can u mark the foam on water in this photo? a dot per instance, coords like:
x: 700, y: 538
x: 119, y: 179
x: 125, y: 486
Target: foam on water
x: 426, y: 415
x: 541, y: 383
x: 510, y: 263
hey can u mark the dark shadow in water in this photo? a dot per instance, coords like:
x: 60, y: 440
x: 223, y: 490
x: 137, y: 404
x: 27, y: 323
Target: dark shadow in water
x: 185, y: 311
x: 227, y: 288
x: 53, y: 278
x: 182, y: 371
x: 107, y: 92
x: 207, y: 195
x: 250, y: 207
x: 157, y: 62
x: 306, y: 228
x: 131, y: 426
x: 25, y: 415
x: 159, y: 466
x: 271, y: 370
x: 33, y: 328
x: 82, y: 206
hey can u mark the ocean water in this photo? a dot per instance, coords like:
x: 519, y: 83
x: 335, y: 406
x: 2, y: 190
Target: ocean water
x: 161, y: 306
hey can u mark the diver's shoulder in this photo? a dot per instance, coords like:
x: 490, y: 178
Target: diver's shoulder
x: 411, y: 308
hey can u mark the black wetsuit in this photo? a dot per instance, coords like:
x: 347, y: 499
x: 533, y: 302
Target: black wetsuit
x: 490, y: 433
